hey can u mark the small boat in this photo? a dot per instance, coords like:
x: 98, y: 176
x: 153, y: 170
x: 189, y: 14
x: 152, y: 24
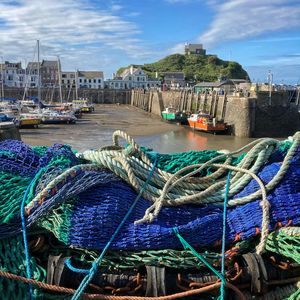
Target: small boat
x: 84, y: 105
x: 172, y: 115
x: 5, y: 118
x: 28, y: 120
x: 57, y: 117
x: 206, y: 122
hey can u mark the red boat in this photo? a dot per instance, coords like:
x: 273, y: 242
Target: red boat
x: 205, y: 122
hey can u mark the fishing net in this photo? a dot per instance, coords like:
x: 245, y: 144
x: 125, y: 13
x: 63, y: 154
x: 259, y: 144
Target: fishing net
x: 77, y: 204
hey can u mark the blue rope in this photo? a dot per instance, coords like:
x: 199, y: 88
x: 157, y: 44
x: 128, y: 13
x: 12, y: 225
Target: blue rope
x: 224, y: 235
x: 86, y: 280
x: 24, y: 231
x: 74, y: 269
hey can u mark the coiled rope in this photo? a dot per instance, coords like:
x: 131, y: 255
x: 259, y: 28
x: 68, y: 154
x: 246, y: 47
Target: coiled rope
x: 174, y: 189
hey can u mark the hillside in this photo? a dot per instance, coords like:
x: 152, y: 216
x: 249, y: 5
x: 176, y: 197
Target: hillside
x: 195, y: 67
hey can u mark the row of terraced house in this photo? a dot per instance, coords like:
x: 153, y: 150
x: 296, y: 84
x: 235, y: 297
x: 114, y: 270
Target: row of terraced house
x: 14, y: 75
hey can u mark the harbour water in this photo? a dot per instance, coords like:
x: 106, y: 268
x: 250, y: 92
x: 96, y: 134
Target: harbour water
x: 95, y: 130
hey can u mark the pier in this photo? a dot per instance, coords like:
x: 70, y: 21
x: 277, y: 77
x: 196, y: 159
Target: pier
x: 255, y: 115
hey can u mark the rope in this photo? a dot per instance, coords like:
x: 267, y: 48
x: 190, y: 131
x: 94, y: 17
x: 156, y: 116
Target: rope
x: 224, y: 234
x: 187, y: 189
x: 59, y: 289
x: 24, y: 232
x: 86, y: 280
x: 154, y: 210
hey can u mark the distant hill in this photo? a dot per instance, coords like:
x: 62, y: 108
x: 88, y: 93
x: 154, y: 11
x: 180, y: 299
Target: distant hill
x: 195, y: 67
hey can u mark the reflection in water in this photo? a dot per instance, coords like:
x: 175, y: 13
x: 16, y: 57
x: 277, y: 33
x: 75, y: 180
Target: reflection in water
x: 186, y: 139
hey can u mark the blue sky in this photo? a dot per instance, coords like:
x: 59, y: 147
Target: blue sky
x: 105, y: 35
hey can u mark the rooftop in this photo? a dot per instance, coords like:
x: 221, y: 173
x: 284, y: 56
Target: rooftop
x: 90, y: 74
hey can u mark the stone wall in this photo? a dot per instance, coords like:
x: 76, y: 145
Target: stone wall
x: 8, y: 130
x: 275, y: 116
x: 105, y: 96
x: 253, y: 116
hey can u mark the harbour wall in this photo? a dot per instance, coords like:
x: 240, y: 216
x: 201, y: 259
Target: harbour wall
x: 103, y: 96
x: 254, y: 115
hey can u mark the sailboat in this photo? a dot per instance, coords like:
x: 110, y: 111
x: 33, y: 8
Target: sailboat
x: 26, y: 118
x: 53, y: 114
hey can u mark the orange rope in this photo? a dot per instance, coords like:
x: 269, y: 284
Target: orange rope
x: 60, y: 289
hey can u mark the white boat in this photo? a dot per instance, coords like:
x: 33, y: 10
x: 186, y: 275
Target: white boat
x: 49, y: 116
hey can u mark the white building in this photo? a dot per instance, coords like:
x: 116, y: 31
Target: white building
x: 90, y: 79
x: 132, y: 78
x: 68, y: 79
x: 12, y: 74
x: 32, y: 71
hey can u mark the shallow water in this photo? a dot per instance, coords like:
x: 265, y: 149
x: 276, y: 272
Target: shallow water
x: 186, y: 139
x: 95, y: 130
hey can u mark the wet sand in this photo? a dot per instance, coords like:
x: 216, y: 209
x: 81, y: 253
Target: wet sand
x: 95, y: 130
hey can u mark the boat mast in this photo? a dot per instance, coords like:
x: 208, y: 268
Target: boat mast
x: 39, y: 77
x: 59, y: 78
x: 2, y: 79
x: 76, y: 85
x: 26, y: 81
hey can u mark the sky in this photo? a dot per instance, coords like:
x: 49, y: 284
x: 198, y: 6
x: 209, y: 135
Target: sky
x: 104, y: 35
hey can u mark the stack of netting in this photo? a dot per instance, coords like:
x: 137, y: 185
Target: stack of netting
x: 141, y: 209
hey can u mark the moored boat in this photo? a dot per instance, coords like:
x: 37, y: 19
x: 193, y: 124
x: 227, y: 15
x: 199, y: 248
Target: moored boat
x: 172, y: 115
x: 205, y: 122
x: 84, y: 105
x: 56, y: 117
x: 28, y: 120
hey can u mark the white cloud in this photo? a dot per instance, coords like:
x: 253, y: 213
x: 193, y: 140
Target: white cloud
x: 178, y: 48
x: 77, y: 30
x: 240, y: 19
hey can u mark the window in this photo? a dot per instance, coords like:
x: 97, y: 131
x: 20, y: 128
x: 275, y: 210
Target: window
x: 116, y: 84
x: 94, y: 80
x: 84, y: 80
x: 90, y: 80
x: 99, y: 80
x: 63, y: 75
x: 129, y: 77
x: 138, y: 78
x: 80, y: 80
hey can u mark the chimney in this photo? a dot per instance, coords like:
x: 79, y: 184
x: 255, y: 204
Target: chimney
x: 131, y: 69
x: 156, y: 74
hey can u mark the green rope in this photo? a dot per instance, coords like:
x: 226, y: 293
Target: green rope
x: 186, y: 246
x: 285, y: 242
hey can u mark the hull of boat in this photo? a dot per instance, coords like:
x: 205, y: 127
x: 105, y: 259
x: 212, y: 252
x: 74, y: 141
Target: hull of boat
x: 219, y: 127
x: 86, y: 109
x: 58, y: 121
x: 28, y: 123
x: 175, y: 117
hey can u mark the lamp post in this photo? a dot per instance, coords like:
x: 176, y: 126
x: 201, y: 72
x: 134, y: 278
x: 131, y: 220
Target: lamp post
x: 270, y: 81
x: 2, y: 79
